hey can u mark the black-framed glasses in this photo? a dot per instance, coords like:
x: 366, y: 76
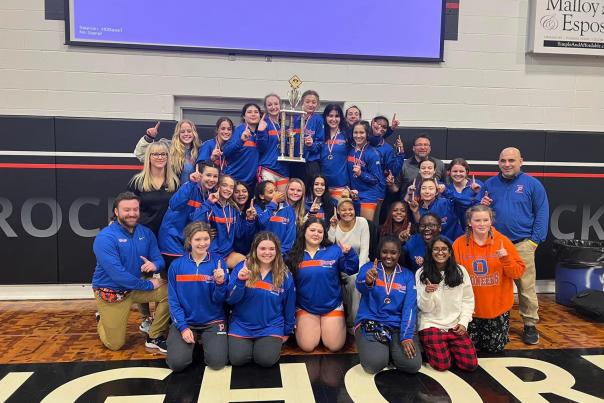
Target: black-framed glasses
x: 159, y: 155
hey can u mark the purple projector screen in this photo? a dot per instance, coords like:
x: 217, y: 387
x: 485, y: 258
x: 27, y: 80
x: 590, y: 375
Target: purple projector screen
x: 378, y: 29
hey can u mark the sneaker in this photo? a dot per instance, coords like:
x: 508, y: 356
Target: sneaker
x: 531, y: 335
x: 97, y: 316
x: 158, y: 343
x: 146, y: 325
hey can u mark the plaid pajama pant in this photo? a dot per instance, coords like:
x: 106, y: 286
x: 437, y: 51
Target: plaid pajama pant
x: 443, y: 347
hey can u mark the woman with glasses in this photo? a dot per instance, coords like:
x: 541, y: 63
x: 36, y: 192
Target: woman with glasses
x: 154, y: 185
x: 415, y: 248
x: 445, y: 304
x: 495, y: 265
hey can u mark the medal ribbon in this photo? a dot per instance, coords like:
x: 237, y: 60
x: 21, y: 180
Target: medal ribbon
x: 388, y: 284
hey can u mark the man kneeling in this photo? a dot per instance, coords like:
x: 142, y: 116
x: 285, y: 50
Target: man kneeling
x: 124, y: 249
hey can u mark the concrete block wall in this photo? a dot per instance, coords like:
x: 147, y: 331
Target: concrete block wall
x: 486, y: 81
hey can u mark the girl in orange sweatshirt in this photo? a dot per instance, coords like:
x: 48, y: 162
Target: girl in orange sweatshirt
x: 493, y: 264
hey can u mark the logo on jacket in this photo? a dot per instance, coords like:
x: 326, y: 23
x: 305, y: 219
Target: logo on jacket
x: 140, y: 238
x: 122, y: 240
x: 519, y: 188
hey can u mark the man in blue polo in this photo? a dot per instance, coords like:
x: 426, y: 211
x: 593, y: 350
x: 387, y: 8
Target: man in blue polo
x: 125, y: 250
x: 522, y: 214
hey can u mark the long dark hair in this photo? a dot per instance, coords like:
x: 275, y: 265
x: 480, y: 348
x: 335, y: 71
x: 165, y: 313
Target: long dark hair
x: 390, y: 227
x: 296, y: 255
x: 452, y: 272
x: 327, y: 111
x: 259, y: 191
x: 326, y: 200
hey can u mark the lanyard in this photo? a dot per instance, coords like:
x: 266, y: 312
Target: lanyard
x: 388, y: 283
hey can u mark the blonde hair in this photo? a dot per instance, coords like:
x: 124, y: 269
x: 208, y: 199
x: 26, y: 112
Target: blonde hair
x: 177, y: 149
x: 299, y: 207
x: 143, y: 181
x: 278, y: 267
x: 193, y: 228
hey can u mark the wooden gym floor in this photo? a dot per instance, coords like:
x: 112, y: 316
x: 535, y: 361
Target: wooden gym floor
x: 65, y: 331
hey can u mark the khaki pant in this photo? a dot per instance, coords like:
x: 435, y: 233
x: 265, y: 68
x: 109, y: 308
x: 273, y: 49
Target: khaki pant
x: 114, y: 316
x: 527, y: 295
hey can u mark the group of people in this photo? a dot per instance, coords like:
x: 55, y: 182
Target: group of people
x: 239, y: 250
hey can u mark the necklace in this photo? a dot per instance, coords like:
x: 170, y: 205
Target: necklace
x: 331, y: 143
x: 388, y: 282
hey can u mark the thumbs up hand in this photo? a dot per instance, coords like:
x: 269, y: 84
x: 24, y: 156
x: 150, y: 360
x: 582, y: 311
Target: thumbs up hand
x: 315, y: 206
x: 405, y: 234
x: 219, y: 274
x: 216, y: 153
x: 262, y: 125
x: 195, y: 176
x: 250, y: 213
x: 502, y: 251
x: 147, y: 266
x: 153, y: 131
x: 394, y: 123
x: 213, y: 197
x: 333, y: 221
x: 431, y: 287
x: 245, y: 136
x: 244, y: 274
x: 372, y: 274
x: 389, y: 178
x: 474, y: 185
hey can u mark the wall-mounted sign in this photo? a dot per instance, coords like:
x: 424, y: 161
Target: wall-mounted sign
x: 574, y: 27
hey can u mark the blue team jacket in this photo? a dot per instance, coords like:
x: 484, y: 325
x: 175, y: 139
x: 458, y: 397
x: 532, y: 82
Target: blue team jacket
x: 444, y: 208
x: 205, y: 154
x: 401, y: 312
x: 415, y: 247
x: 269, y: 148
x: 371, y: 183
x: 243, y: 157
x: 261, y: 309
x: 118, y: 257
x: 314, y: 128
x: 335, y: 169
x: 318, y: 279
x: 220, y: 219
x: 521, y: 207
x: 182, y: 204
x: 193, y: 296
x: 281, y: 221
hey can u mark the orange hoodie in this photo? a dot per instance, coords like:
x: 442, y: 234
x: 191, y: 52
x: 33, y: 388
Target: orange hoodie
x: 492, y: 277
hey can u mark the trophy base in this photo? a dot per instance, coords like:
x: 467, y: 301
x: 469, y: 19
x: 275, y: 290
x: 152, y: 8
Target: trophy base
x: 284, y: 158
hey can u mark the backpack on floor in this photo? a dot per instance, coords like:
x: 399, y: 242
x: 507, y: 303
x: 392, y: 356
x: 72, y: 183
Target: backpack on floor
x: 590, y: 303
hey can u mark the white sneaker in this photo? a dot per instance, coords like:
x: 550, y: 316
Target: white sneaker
x: 146, y: 325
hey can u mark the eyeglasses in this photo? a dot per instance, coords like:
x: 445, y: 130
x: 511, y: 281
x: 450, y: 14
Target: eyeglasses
x: 430, y: 226
x: 440, y: 250
x: 159, y: 155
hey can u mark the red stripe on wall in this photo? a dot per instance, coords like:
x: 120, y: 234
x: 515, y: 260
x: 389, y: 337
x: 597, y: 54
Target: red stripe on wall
x: 452, y: 6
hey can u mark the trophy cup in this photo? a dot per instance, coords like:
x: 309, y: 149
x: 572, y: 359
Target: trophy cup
x: 288, y: 148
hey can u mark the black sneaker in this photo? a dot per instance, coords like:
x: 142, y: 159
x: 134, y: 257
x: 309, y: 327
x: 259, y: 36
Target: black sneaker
x: 531, y: 335
x: 97, y: 316
x: 158, y: 343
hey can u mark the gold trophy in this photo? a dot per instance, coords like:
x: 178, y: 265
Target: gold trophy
x: 288, y: 116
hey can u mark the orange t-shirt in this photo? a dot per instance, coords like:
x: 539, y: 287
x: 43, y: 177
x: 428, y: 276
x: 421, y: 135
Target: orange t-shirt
x: 492, y: 277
